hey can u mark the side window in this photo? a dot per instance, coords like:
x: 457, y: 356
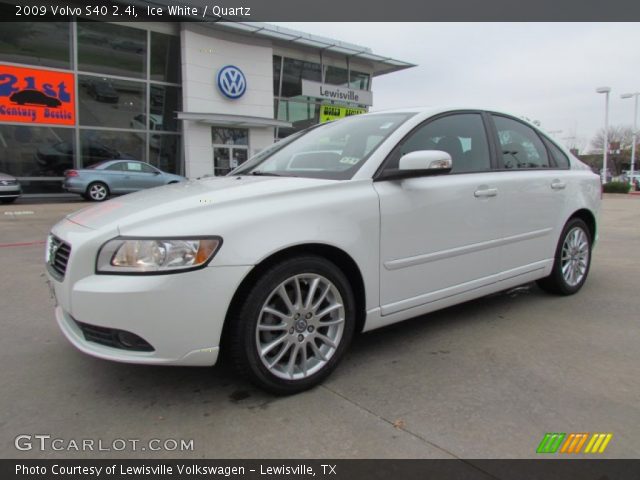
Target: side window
x: 559, y: 157
x: 115, y: 167
x: 520, y: 144
x: 147, y: 169
x: 134, y: 167
x: 461, y: 135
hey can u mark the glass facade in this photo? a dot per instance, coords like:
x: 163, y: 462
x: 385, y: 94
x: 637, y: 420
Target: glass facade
x: 128, y: 88
x: 302, y: 111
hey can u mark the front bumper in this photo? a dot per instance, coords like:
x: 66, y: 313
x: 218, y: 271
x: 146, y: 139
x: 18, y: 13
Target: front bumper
x: 10, y: 191
x: 180, y: 315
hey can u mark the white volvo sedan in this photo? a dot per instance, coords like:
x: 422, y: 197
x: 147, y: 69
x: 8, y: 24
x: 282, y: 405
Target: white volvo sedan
x: 346, y: 227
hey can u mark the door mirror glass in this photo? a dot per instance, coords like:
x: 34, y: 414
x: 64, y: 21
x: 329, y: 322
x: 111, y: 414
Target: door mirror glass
x: 429, y: 162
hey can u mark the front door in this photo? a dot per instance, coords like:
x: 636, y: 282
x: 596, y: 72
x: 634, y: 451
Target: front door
x: 230, y: 149
x: 440, y: 235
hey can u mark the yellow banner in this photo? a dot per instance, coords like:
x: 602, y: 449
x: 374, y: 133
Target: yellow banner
x: 332, y: 112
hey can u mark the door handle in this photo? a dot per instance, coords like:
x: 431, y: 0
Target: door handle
x: 485, y: 192
x: 558, y: 184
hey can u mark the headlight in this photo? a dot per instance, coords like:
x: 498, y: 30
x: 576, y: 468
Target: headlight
x: 155, y: 255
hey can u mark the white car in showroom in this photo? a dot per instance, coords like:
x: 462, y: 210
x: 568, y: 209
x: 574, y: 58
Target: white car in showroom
x: 346, y: 227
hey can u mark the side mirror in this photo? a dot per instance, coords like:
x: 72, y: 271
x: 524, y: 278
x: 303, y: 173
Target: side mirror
x: 433, y: 161
x: 420, y: 163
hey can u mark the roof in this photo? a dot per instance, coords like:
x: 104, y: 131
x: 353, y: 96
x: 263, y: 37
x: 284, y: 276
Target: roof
x: 381, y: 64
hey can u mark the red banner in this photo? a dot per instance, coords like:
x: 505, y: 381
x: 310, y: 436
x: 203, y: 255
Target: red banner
x: 31, y: 95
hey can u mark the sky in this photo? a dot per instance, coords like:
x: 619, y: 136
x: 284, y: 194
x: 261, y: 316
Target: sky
x: 544, y: 71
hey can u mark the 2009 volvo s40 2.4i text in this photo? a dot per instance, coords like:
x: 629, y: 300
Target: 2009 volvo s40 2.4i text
x: 345, y: 227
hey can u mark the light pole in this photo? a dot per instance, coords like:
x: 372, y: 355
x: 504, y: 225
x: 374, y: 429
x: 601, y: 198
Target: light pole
x: 635, y: 133
x: 605, y: 149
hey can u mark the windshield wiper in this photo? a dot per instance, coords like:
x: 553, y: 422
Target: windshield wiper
x: 266, y: 174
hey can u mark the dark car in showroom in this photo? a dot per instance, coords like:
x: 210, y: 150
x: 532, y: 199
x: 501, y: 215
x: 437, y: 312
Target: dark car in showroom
x: 34, y: 97
x: 102, y: 91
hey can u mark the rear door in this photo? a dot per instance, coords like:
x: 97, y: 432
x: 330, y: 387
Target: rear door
x: 533, y: 187
x: 440, y: 235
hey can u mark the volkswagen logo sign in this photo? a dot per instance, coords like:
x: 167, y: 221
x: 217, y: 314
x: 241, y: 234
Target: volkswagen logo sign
x: 231, y: 82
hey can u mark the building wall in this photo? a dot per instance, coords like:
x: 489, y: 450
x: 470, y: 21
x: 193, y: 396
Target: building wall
x: 204, y: 52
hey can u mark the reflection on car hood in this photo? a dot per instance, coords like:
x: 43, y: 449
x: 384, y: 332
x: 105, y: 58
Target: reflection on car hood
x: 162, y: 203
x: 5, y: 176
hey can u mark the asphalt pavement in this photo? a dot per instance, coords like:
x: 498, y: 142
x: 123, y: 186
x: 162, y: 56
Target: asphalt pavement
x: 486, y: 379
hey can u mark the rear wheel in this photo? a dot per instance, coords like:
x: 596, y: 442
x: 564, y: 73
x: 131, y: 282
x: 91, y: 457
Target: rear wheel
x: 97, y: 191
x: 572, y: 260
x: 294, y: 325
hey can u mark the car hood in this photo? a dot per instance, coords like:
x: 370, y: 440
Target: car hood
x: 179, y: 199
x: 4, y: 176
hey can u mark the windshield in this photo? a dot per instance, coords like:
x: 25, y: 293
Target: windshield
x: 333, y: 151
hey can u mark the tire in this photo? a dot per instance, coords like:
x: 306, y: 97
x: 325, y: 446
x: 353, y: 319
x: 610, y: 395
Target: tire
x: 295, y: 332
x: 97, y: 192
x: 575, y: 244
x: 6, y: 201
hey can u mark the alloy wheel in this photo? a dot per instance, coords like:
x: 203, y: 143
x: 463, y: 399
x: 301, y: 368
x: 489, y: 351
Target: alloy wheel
x: 300, y: 326
x: 575, y: 256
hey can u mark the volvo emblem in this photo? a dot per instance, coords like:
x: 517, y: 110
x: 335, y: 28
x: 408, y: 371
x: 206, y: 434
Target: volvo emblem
x: 231, y: 82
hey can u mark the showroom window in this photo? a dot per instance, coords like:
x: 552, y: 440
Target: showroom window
x: 99, y: 145
x: 230, y: 148
x: 111, y: 49
x: 46, y: 44
x: 336, y: 75
x: 520, y: 144
x: 165, y: 49
x: 135, y: 117
x: 128, y: 93
x: 110, y: 102
x: 28, y: 151
x: 294, y: 71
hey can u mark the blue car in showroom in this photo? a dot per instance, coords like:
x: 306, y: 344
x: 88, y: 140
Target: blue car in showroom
x: 113, y: 177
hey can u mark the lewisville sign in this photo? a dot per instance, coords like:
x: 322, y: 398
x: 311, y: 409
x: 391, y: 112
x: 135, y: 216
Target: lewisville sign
x: 336, y: 93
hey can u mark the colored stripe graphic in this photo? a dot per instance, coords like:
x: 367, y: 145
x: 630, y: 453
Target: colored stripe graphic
x: 574, y: 443
x: 598, y: 443
x: 550, y: 443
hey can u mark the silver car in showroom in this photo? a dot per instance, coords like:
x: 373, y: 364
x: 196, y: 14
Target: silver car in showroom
x: 113, y: 177
x: 9, y: 188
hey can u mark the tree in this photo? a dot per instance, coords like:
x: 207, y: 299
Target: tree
x: 619, y: 136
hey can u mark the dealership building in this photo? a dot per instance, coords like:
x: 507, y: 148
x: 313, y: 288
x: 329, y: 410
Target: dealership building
x: 192, y: 98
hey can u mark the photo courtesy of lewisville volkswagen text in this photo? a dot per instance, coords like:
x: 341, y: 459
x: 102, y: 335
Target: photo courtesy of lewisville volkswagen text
x: 337, y: 240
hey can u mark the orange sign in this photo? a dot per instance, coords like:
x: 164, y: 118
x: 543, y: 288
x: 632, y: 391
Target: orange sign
x: 31, y: 95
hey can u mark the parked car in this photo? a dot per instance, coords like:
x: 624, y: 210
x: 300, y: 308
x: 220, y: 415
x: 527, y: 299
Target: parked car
x: 278, y: 264
x: 102, y: 91
x: 98, y: 182
x: 34, y: 97
x: 10, y: 188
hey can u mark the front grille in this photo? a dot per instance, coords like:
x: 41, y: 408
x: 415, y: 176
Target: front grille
x: 59, y: 253
x: 112, y: 337
x: 7, y: 183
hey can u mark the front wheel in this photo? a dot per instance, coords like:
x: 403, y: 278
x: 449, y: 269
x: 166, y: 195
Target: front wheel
x: 97, y: 192
x: 294, y: 325
x: 572, y: 260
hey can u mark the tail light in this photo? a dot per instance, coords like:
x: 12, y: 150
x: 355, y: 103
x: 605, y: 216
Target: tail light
x: 71, y: 173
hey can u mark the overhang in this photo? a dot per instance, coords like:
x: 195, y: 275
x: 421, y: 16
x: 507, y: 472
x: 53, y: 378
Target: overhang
x: 225, y: 120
